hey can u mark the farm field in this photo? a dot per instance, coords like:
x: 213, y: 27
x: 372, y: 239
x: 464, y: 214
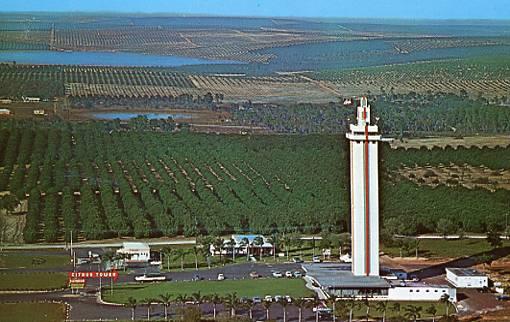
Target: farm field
x: 152, y: 184
x: 32, y: 312
x: 467, y: 176
x: 48, y: 82
x: 454, y: 142
x: 488, y: 75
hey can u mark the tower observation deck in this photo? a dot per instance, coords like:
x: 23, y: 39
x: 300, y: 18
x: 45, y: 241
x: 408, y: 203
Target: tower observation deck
x: 364, y: 170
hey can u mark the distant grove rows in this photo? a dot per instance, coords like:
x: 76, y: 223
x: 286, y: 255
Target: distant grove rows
x: 54, y: 81
x: 99, y: 180
x: 103, y: 182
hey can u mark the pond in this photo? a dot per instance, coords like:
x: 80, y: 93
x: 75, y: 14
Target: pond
x: 46, y: 57
x: 129, y: 115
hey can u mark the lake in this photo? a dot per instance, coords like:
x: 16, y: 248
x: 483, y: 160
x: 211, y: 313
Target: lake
x: 149, y: 115
x: 46, y: 57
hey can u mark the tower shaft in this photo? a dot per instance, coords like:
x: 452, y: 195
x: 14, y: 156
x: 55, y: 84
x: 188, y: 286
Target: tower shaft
x: 364, y: 174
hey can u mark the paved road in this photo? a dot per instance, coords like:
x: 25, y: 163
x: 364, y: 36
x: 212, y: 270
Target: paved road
x: 96, y: 245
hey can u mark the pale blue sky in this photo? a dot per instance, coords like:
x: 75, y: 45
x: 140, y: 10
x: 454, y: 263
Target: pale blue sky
x: 423, y: 9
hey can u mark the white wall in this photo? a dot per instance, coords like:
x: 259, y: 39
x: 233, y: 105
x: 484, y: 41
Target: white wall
x: 421, y: 293
x: 467, y: 281
x: 358, y: 183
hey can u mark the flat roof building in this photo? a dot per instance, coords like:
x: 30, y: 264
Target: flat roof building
x: 466, y: 278
x: 136, y: 252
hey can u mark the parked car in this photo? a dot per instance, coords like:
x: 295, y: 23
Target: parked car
x: 268, y: 298
x: 298, y: 274
x: 316, y: 259
x: 288, y: 298
x: 503, y: 297
x: 256, y: 300
x: 277, y: 274
x: 151, y: 277
x: 221, y: 277
x: 297, y: 260
x: 254, y: 275
x: 288, y: 274
x: 322, y: 309
x: 278, y: 298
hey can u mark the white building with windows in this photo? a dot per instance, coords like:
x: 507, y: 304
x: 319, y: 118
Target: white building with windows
x: 241, y: 244
x: 466, y: 278
x: 136, y: 252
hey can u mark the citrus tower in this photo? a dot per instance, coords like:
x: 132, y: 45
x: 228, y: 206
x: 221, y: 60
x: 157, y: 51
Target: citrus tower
x: 364, y: 138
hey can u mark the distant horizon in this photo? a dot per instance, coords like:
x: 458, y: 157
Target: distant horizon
x: 317, y: 9
x: 329, y: 19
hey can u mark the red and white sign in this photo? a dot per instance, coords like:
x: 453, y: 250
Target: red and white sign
x: 84, y: 275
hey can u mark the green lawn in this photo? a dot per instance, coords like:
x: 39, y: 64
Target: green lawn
x: 32, y: 312
x: 32, y: 281
x: 446, y: 248
x: 20, y: 259
x: 247, y: 288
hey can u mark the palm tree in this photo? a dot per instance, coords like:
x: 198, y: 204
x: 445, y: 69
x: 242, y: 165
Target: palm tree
x: 267, y: 306
x: 131, y: 303
x: 432, y: 311
x: 340, y: 310
x: 248, y: 304
x: 195, y: 251
x: 197, y: 298
x: 205, y: 243
x: 332, y: 300
x: 168, y: 253
x: 166, y: 299
x: 218, y: 245
x: 286, y: 243
x: 413, y: 312
x: 314, y: 303
x: 366, y: 302
x: 352, y: 305
x: 181, y: 254
x: 148, y: 302
x: 284, y: 302
x: 182, y: 299
x: 445, y: 299
x: 231, y: 244
x: 396, y: 307
x: 215, y: 299
x: 382, y: 307
x: 231, y: 301
x: 259, y: 241
x: 246, y: 242
x: 299, y: 303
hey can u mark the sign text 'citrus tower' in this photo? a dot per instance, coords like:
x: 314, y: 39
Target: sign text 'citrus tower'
x: 364, y: 138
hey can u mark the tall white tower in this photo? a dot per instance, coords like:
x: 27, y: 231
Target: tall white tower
x: 364, y: 139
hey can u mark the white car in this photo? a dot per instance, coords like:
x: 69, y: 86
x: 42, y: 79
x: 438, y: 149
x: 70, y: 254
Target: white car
x: 221, y: 277
x: 277, y: 274
x: 288, y: 274
x: 317, y: 259
x: 151, y: 277
x: 322, y: 309
x: 268, y: 298
x: 298, y: 274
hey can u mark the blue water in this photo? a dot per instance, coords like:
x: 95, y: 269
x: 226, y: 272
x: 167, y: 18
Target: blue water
x: 150, y: 116
x: 46, y: 57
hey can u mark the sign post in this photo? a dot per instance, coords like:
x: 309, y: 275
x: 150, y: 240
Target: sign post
x: 77, y: 280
